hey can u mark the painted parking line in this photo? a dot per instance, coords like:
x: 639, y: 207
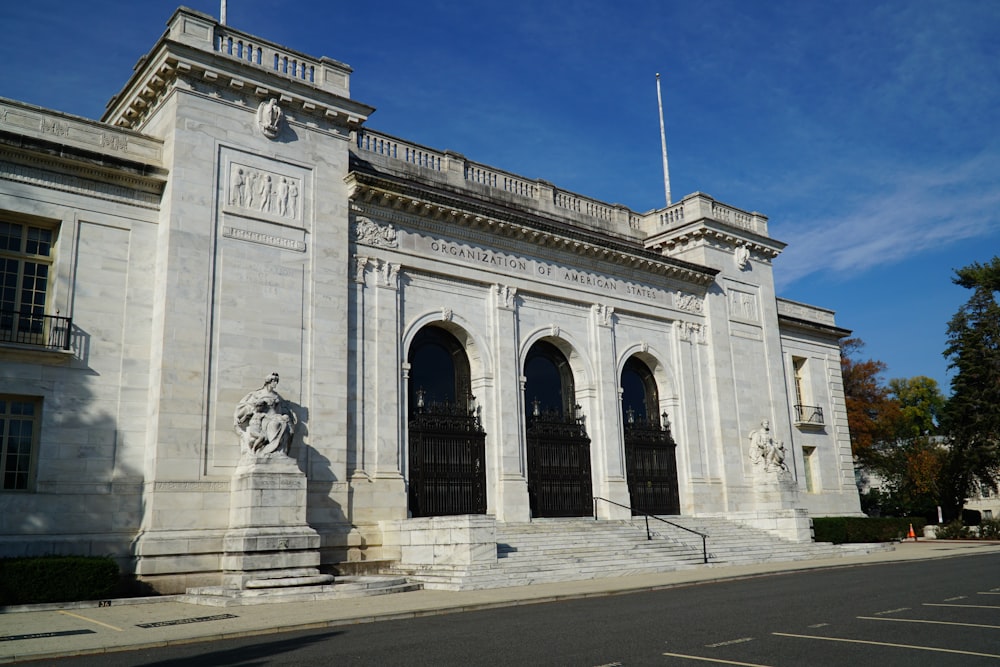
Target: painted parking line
x: 185, y: 621
x: 920, y: 620
x: 717, y: 661
x: 89, y: 620
x: 889, y: 644
x: 970, y: 606
x: 730, y: 642
x: 957, y: 597
x: 45, y: 635
x: 891, y: 611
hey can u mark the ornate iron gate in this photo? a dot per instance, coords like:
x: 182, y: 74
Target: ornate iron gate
x: 447, y: 461
x: 651, y: 467
x: 558, y: 466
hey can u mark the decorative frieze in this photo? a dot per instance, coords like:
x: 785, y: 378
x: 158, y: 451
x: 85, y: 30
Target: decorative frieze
x: 264, y: 191
x: 367, y: 232
x: 743, y: 305
x: 68, y: 183
x: 264, y: 239
x: 691, y: 303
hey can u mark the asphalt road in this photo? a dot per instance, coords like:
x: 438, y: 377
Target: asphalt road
x: 939, y: 612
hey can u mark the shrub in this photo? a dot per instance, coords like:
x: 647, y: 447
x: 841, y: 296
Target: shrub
x: 56, y: 579
x: 954, y: 530
x: 850, y: 529
x: 989, y: 529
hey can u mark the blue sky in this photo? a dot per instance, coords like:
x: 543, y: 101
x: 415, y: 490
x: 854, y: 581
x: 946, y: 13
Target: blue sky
x: 868, y: 132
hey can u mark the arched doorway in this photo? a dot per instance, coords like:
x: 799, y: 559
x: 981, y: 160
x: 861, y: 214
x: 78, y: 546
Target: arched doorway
x: 447, y: 445
x: 650, y: 450
x: 559, y: 481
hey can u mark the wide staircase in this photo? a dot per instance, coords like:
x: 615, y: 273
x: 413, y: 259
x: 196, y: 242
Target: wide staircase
x: 552, y: 550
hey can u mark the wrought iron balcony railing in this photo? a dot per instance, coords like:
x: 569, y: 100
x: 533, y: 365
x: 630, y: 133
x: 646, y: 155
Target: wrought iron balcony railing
x: 50, y: 332
x: 809, y: 414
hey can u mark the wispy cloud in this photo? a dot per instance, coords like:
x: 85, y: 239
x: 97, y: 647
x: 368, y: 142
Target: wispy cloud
x: 911, y: 212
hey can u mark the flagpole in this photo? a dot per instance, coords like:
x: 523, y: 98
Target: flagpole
x: 222, y: 13
x: 663, y: 142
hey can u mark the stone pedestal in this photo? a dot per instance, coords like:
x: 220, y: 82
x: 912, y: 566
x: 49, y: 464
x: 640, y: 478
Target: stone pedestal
x: 269, y: 543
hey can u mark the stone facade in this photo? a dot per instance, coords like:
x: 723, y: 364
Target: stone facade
x: 231, y: 216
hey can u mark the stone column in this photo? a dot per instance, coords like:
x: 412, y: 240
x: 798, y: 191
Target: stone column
x: 607, y: 443
x: 506, y: 422
x: 390, y: 496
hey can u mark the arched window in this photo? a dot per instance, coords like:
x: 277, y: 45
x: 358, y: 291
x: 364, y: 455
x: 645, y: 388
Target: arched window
x: 549, y: 381
x: 439, y: 369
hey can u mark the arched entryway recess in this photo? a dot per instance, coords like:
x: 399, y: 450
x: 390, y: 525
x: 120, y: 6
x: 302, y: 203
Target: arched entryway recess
x: 650, y: 450
x: 558, y: 448
x: 446, y: 459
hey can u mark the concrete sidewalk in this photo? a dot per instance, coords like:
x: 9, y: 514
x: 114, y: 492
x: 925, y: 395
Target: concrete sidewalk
x: 51, y: 631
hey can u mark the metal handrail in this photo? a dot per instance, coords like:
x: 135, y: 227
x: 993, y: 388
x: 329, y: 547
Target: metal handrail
x: 649, y: 535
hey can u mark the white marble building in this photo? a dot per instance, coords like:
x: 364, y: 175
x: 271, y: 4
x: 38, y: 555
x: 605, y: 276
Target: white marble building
x: 453, y: 339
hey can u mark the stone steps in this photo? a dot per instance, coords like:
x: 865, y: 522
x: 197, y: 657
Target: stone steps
x: 342, y: 587
x: 551, y: 550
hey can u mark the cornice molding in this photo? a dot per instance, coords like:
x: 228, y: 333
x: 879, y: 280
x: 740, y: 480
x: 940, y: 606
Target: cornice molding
x: 428, y: 208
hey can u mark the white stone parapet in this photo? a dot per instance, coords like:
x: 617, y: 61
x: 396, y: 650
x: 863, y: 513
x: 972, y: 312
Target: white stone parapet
x: 203, y: 32
x: 457, y: 171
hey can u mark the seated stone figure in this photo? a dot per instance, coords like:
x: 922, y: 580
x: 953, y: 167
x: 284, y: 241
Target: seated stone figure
x: 264, y: 422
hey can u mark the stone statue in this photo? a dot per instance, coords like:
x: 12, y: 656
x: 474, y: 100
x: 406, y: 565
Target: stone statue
x: 269, y: 117
x: 264, y: 422
x: 765, y: 450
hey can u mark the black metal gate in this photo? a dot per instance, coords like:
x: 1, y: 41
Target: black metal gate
x: 558, y: 466
x: 447, y: 462
x: 651, y: 467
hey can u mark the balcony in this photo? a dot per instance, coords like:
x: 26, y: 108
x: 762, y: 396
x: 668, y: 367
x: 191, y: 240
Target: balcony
x: 48, y: 332
x: 809, y: 415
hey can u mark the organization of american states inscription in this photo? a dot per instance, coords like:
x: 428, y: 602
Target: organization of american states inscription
x: 514, y: 264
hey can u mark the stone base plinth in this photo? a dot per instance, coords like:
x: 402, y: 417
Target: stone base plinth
x: 269, y: 544
x: 463, y: 540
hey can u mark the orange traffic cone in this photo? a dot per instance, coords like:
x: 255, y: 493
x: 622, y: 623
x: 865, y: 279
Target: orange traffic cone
x: 912, y: 534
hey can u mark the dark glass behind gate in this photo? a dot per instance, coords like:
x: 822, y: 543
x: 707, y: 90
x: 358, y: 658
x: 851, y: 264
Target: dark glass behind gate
x: 651, y: 467
x: 558, y: 466
x: 447, y: 470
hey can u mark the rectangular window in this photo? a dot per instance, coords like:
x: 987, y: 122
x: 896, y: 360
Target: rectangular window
x: 25, y: 270
x: 807, y: 464
x: 799, y: 368
x: 19, y: 426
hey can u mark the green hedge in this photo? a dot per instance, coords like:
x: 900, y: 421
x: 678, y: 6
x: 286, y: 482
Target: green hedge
x: 57, y: 579
x: 851, y: 529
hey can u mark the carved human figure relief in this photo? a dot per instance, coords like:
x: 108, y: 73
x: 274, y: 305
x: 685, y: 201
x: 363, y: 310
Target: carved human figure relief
x: 269, y: 117
x: 254, y: 189
x: 265, y: 193
x: 237, y: 185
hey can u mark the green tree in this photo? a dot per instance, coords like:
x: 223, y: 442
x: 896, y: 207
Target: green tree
x: 921, y: 404
x: 972, y: 416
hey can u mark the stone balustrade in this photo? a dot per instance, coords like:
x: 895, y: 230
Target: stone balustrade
x: 204, y: 32
x: 458, y: 171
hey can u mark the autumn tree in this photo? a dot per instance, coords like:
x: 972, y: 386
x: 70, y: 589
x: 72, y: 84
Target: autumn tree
x: 972, y: 417
x: 894, y: 434
x: 872, y: 414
